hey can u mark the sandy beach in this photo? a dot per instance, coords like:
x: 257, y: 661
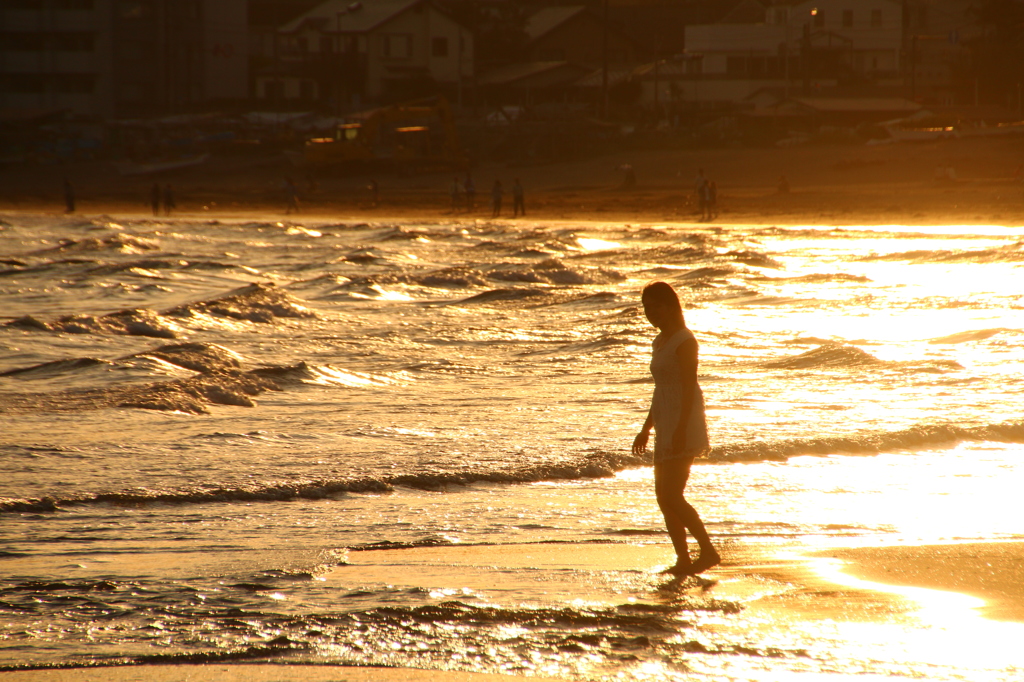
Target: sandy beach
x: 991, y: 571
x: 966, y: 181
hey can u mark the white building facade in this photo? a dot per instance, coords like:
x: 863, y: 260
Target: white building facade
x: 799, y: 47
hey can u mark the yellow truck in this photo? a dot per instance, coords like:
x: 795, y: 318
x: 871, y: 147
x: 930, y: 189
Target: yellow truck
x: 416, y: 135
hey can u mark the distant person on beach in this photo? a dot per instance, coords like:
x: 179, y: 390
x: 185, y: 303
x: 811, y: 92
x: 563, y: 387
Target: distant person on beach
x: 712, y: 200
x: 518, y: 199
x: 470, y: 192
x: 169, y: 204
x: 497, y: 193
x: 681, y: 432
x: 374, y: 193
x: 455, y: 190
x: 154, y: 198
x: 628, y: 176
x: 291, y: 195
x: 69, y: 197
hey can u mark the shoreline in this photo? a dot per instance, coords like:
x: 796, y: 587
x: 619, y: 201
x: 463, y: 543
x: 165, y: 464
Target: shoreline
x: 779, y: 587
x: 419, y: 216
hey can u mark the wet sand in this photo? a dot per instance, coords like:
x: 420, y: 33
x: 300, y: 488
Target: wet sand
x: 775, y: 588
x: 993, y: 571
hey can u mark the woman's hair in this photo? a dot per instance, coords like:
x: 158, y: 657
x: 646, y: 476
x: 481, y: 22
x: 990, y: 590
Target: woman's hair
x: 661, y: 293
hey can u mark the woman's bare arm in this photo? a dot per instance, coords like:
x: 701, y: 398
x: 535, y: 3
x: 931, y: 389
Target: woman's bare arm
x: 640, y: 442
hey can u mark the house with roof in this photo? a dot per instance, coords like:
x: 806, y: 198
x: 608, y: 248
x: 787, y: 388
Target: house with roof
x: 576, y: 34
x: 343, y: 53
x: 564, y: 46
x: 798, y: 47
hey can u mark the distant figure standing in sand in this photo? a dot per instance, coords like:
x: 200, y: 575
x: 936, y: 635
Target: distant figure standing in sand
x: 628, y: 176
x: 681, y: 432
x: 470, y: 192
x: 154, y: 198
x: 374, y: 193
x: 702, y: 200
x: 518, y: 199
x: 291, y: 195
x: 455, y: 190
x: 69, y: 196
x: 712, y: 200
x: 169, y: 204
x: 497, y: 192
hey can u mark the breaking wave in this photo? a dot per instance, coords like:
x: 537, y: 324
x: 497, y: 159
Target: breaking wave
x: 258, y: 302
x: 1011, y: 253
x: 220, y: 381
x: 916, y: 437
x: 827, y: 355
x: 592, y: 465
x: 836, y: 356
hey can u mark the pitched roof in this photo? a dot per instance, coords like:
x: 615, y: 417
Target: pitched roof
x: 533, y: 74
x: 746, y: 12
x: 548, y: 19
x: 348, y: 16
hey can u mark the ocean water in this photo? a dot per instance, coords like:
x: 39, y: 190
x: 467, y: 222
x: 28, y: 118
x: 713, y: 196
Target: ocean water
x: 408, y: 444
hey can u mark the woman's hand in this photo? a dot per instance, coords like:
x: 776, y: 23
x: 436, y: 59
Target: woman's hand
x: 640, y: 442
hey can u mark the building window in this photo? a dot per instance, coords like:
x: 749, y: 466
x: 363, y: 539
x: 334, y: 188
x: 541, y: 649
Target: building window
x: 396, y: 46
x: 876, y: 18
x: 80, y: 5
x: 132, y: 9
x: 131, y: 92
x: 306, y: 90
x: 439, y: 47
x: 74, y: 83
x: 847, y: 18
x: 23, y: 42
x: 73, y: 42
x: 21, y: 83
x: 274, y: 91
x: 326, y: 44
x: 736, y: 65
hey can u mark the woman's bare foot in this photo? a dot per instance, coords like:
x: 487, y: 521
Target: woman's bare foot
x: 705, y: 561
x: 680, y: 569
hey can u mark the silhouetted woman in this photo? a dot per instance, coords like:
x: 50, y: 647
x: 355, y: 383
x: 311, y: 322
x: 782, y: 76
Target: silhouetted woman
x: 681, y: 432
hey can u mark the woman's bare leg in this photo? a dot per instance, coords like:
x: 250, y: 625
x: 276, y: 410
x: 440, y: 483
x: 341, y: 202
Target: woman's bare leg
x: 670, y: 479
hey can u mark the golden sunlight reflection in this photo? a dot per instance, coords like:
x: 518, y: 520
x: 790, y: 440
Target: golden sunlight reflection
x: 593, y: 244
x: 954, y: 633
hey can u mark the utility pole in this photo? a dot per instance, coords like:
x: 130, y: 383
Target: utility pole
x: 604, y: 65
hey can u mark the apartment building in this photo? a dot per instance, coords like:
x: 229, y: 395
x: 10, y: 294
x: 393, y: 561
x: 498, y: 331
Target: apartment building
x: 121, y: 58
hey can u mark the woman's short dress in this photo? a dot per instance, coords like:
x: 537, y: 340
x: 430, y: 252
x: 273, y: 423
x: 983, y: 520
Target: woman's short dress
x: 668, y: 402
